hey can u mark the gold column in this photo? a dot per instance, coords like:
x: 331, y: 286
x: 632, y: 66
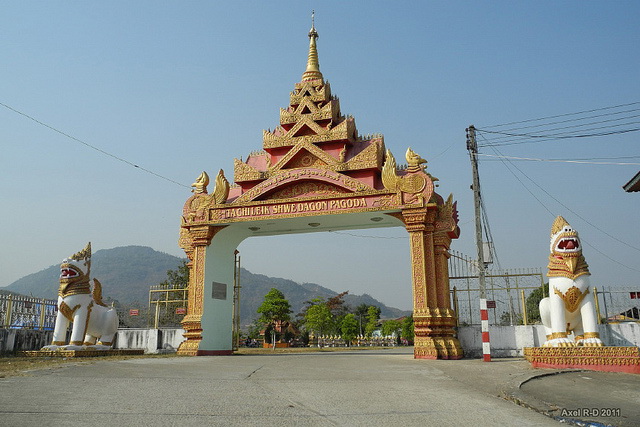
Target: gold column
x: 433, y: 318
x: 200, y: 237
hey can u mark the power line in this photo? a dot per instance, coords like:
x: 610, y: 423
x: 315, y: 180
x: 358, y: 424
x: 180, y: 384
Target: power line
x: 574, y: 119
x: 508, y: 133
x: 567, y: 208
x: 368, y: 237
x: 558, y: 160
x: 562, y: 135
x: 566, y: 134
x: 611, y: 120
x: 487, y: 232
x: 566, y: 114
x: 502, y: 159
x: 92, y: 146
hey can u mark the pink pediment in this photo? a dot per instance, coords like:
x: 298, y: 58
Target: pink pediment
x: 322, y: 181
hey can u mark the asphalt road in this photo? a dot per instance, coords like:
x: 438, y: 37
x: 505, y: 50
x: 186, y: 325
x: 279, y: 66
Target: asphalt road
x: 364, y: 388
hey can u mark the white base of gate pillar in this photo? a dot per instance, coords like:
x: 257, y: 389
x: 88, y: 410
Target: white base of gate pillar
x: 217, y: 302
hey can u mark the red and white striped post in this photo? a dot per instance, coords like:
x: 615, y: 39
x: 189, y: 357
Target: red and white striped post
x: 484, y: 320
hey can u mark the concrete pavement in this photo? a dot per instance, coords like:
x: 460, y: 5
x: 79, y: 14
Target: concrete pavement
x: 355, y: 388
x: 568, y: 396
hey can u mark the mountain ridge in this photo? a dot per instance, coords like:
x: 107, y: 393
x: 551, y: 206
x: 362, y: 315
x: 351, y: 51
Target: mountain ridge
x: 126, y: 272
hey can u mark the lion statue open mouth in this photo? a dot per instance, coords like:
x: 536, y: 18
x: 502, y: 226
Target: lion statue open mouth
x: 570, y: 307
x: 94, y: 324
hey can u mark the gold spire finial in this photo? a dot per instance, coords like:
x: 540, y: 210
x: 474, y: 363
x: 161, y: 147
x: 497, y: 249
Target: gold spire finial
x: 313, y: 66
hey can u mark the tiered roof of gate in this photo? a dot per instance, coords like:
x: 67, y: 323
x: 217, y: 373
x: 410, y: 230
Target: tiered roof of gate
x: 313, y: 133
x: 316, y: 154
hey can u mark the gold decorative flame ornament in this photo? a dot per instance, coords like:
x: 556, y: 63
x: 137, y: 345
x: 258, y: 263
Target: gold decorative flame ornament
x: 220, y: 190
x: 412, y: 182
x: 200, y: 186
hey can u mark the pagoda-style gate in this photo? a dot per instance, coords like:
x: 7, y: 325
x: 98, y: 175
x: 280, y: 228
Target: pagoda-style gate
x: 316, y: 173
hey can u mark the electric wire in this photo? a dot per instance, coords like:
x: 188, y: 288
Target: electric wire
x: 568, y: 208
x: 443, y: 151
x: 582, y: 124
x: 368, y: 237
x: 566, y: 114
x: 507, y: 137
x: 120, y: 159
x: 572, y: 120
x: 486, y: 228
x: 563, y: 135
x: 567, y: 134
x: 561, y: 160
x: 505, y: 132
x: 487, y: 232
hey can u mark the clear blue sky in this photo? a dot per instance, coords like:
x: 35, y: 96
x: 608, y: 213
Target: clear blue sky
x: 181, y: 87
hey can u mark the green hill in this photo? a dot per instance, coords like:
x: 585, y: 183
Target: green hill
x: 127, y: 272
x: 255, y: 286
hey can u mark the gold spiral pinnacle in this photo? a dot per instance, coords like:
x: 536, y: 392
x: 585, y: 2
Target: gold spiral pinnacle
x: 313, y: 65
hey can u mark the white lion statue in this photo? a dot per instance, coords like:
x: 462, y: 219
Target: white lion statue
x: 570, y: 306
x: 82, y: 305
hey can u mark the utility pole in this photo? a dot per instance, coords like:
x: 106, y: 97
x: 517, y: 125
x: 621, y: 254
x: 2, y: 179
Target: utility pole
x: 472, y: 147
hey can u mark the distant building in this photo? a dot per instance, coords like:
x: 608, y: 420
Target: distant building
x: 633, y: 186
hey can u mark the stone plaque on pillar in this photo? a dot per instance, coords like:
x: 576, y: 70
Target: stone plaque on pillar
x: 218, y: 290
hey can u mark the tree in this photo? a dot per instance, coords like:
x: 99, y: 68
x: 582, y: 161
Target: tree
x: 373, y: 315
x: 176, y: 279
x: 301, y: 317
x: 318, y: 318
x: 336, y: 305
x: 506, y: 318
x: 349, y: 328
x: 254, y: 330
x: 391, y: 327
x: 533, y: 303
x: 407, y: 329
x: 274, y: 309
x: 361, y: 312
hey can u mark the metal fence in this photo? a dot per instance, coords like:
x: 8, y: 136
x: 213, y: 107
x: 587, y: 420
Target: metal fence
x: 170, y: 305
x: 506, y: 291
x: 17, y: 311
x: 619, y: 304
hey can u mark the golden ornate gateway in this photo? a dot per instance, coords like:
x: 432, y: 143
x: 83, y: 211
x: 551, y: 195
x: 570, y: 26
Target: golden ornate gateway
x: 317, y: 173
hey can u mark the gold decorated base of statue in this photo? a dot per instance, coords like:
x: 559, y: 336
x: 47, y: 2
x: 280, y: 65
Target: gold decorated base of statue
x: 607, y: 359
x: 79, y: 353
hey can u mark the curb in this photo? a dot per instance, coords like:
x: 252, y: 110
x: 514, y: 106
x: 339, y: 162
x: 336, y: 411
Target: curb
x: 525, y: 400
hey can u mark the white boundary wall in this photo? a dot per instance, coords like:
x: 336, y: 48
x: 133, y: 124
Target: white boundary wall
x: 150, y: 340
x: 509, y: 341
x: 23, y: 339
x: 506, y: 341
